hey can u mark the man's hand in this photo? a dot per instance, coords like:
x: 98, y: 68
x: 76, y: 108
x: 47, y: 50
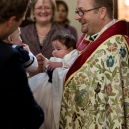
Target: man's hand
x: 40, y: 59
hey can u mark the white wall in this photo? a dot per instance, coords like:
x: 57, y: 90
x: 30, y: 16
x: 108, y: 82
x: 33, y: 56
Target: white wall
x: 71, y: 16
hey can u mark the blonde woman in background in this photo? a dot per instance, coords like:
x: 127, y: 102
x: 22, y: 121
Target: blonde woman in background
x: 38, y: 35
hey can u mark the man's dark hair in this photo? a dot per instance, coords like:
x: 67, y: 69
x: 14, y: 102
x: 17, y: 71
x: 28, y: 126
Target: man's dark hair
x: 9, y: 8
x: 105, y: 3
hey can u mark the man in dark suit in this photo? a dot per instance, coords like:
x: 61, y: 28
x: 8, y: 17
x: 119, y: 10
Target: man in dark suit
x: 18, y: 108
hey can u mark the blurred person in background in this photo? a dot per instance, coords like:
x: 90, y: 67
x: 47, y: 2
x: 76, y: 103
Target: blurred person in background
x: 62, y: 18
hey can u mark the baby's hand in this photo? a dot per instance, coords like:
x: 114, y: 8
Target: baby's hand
x: 25, y: 47
x: 45, y: 63
x: 53, y: 65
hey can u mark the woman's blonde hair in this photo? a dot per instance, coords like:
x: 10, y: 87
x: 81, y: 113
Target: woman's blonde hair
x: 32, y: 18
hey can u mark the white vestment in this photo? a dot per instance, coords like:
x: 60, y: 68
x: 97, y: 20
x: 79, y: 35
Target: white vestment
x: 49, y: 95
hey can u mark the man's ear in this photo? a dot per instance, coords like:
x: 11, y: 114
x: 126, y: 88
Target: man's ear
x: 10, y: 39
x: 11, y: 21
x: 103, y: 12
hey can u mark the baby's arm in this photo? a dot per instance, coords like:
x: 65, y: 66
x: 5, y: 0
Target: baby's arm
x: 32, y: 64
x: 63, y: 63
x: 53, y: 65
x: 25, y: 47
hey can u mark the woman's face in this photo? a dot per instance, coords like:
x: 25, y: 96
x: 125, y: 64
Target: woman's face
x: 61, y: 13
x: 43, y: 11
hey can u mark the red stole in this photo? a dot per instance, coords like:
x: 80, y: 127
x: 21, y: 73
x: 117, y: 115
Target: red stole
x: 119, y: 27
x: 82, y: 43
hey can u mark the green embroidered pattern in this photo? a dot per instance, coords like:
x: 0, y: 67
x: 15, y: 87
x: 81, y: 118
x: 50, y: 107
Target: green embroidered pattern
x: 98, y: 95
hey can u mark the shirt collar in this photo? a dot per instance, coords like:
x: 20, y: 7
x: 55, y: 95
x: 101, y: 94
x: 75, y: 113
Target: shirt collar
x: 106, y: 27
x: 103, y: 29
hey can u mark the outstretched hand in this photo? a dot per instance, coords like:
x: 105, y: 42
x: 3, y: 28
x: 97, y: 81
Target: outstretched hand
x: 40, y: 58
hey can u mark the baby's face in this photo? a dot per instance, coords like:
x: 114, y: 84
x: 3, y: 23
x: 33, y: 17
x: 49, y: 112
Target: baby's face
x: 16, y: 37
x: 59, y: 50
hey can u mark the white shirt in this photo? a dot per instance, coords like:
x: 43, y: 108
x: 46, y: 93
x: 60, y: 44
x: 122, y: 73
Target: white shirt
x: 31, y: 67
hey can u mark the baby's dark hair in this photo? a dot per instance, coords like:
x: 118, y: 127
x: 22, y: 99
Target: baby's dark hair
x: 66, y: 39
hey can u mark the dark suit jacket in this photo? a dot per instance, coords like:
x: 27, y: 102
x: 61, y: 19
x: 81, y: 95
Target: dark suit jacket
x: 29, y: 37
x: 18, y: 109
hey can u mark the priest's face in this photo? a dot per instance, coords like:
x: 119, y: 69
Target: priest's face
x: 88, y: 16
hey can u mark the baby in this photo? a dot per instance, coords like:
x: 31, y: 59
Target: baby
x: 47, y: 89
x: 30, y: 61
x: 64, y: 53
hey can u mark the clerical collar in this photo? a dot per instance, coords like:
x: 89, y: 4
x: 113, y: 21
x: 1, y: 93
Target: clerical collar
x: 94, y: 36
